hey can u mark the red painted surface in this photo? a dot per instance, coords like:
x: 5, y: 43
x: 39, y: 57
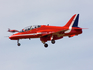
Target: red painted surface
x: 46, y: 32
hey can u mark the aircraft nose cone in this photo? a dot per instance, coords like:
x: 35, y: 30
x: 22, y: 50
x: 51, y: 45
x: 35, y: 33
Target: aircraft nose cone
x: 12, y: 37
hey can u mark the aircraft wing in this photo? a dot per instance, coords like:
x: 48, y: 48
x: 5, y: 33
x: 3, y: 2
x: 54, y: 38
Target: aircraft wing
x: 58, y: 31
x: 54, y: 32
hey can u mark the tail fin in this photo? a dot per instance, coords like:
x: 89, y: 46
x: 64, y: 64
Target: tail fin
x: 73, y: 22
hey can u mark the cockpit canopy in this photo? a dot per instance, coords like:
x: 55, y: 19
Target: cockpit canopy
x: 30, y: 28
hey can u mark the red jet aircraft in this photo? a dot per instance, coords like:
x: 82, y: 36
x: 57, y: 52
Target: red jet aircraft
x: 48, y: 33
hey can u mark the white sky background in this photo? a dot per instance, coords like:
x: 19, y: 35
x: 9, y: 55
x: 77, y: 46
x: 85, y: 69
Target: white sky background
x: 67, y: 54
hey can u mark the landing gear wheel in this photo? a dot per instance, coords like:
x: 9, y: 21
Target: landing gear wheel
x: 53, y: 41
x: 45, y: 45
x: 18, y: 44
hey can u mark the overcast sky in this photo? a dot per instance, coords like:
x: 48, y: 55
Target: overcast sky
x: 74, y: 53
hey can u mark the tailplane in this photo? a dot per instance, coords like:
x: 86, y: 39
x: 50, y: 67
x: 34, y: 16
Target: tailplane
x: 73, y: 22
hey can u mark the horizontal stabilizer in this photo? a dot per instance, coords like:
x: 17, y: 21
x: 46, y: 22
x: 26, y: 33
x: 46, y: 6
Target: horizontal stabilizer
x: 79, y: 28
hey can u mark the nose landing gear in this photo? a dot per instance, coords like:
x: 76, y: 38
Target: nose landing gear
x: 18, y: 42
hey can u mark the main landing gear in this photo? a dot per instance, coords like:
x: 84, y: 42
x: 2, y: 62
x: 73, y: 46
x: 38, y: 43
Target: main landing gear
x: 46, y: 45
x: 53, y: 41
x: 18, y: 42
